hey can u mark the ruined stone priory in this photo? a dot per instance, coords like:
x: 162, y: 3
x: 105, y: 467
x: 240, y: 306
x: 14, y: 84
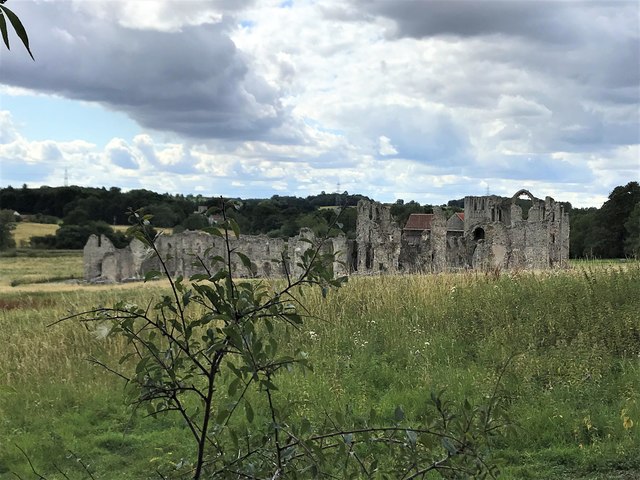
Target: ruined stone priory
x: 493, y: 233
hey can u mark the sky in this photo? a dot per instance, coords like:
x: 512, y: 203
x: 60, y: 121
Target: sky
x: 415, y: 99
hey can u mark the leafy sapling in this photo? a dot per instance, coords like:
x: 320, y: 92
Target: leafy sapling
x: 212, y: 351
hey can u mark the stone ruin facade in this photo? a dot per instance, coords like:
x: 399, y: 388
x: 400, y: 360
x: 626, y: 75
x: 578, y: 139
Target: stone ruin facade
x: 183, y: 252
x: 492, y: 233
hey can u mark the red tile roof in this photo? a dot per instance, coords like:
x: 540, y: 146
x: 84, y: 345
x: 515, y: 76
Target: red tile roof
x: 460, y: 215
x: 419, y: 221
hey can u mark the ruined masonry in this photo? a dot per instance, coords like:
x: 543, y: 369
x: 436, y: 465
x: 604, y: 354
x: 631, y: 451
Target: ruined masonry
x: 492, y: 233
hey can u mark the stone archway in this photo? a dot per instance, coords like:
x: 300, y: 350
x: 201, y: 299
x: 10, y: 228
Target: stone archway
x: 521, y: 192
x: 525, y: 206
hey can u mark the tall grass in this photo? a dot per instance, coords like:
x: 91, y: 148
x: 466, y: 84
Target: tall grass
x: 572, y: 387
x: 19, y: 269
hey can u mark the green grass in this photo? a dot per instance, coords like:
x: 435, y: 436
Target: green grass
x: 377, y: 343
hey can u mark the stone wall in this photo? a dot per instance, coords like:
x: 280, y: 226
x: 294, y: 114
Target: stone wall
x: 493, y: 235
x: 378, y: 239
x: 191, y: 252
x: 500, y: 237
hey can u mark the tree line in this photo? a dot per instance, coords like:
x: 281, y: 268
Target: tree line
x: 612, y: 231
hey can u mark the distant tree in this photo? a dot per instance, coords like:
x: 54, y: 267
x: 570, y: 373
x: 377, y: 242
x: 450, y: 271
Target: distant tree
x: 77, y: 216
x: 195, y: 221
x: 456, y: 203
x: 632, y: 226
x: 7, y: 224
x: 74, y: 237
x: 609, y: 229
x: 163, y: 215
x: 582, y: 222
x: 401, y: 212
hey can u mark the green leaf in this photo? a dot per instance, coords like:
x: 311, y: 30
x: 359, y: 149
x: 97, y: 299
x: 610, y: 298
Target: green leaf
x: 17, y: 26
x: 246, y: 262
x: 235, y: 227
x: 448, y: 446
x: 398, y: 415
x: 151, y: 275
x: 412, y: 437
x: 213, y: 231
x: 5, y: 33
x: 198, y: 276
x: 248, y: 410
x: 233, y: 387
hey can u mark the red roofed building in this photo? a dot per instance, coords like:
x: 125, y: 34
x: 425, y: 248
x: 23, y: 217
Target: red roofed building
x: 416, y: 225
x: 456, y: 223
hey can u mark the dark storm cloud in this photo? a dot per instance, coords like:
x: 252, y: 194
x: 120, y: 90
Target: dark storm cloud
x: 193, y: 81
x: 551, y: 21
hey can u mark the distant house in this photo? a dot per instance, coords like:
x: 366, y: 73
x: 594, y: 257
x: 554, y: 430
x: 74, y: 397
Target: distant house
x: 212, y: 219
x: 420, y: 223
x: 456, y: 223
x: 417, y: 224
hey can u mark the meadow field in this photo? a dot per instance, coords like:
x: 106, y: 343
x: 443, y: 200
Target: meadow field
x: 25, y: 230
x: 572, y: 388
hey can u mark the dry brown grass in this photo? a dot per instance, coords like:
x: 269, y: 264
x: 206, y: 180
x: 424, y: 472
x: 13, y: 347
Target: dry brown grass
x: 25, y: 230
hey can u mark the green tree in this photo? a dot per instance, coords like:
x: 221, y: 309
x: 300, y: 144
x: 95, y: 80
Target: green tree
x: 74, y: 237
x: 582, y: 227
x: 195, y: 221
x: 7, y: 225
x: 632, y: 226
x: 609, y: 229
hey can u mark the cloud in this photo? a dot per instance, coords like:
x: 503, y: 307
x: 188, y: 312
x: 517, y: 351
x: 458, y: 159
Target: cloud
x: 385, y: 146
x: 8, y: 132
x: 192, y: 81
x: 419, y: 100
x: 556, y: 21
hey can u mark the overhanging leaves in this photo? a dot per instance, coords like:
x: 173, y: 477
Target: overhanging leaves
x: 17, y: 26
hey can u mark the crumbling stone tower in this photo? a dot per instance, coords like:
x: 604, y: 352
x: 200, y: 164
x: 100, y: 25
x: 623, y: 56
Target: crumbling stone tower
x: 499, y: 235
x: 378, y: 239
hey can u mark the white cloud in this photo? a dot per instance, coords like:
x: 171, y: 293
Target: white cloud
x: 430, y: 101
x: 385, y: 146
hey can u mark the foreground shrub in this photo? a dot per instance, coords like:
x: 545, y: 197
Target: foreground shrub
x: 213, y: 353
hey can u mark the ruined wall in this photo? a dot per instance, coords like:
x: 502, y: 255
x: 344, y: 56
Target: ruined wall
x: 104, y: 262
x: 190, y: 252
x: 378, y: 239
x: 494, y: 235
x: 499, y: 236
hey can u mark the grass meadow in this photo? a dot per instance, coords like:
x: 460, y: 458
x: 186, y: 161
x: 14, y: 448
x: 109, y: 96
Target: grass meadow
x: 25, y: 230
x: 572, y: 389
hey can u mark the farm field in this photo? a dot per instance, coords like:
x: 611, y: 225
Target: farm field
x: 25, y: 230
x: 572, y: 388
